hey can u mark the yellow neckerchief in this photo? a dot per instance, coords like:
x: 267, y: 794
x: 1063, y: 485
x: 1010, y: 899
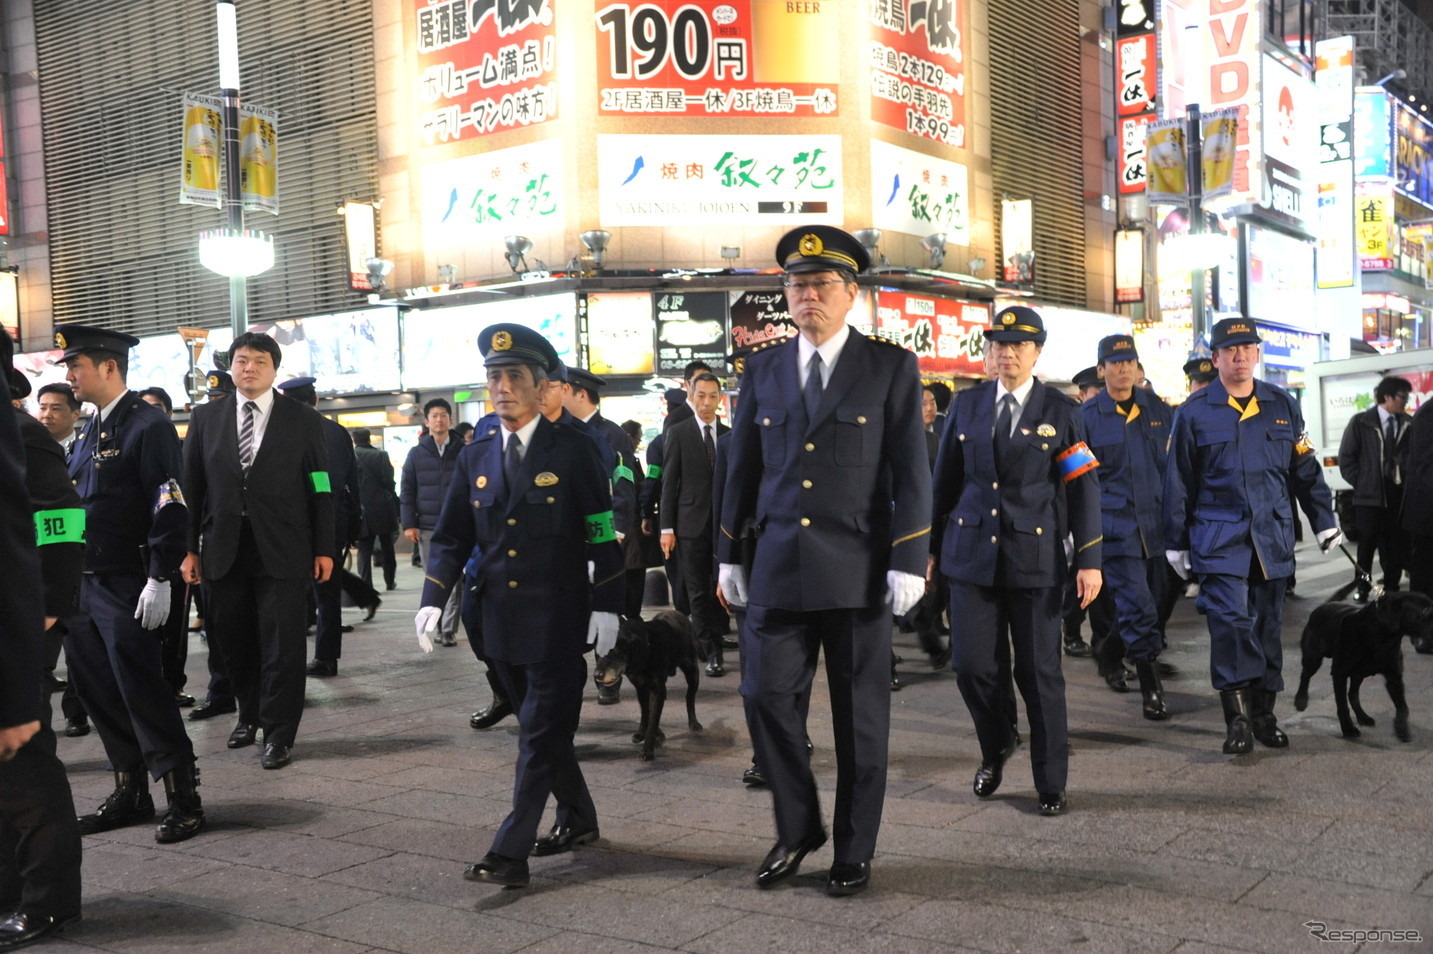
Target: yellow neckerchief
x: 1245, y: 412
x: 1133, y: 412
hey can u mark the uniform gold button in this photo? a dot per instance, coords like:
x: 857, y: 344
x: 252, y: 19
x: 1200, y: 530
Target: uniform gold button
x: 805, y: 521
x: 1044, y: 446
x: 995, y: 486
x: 860, y: 419
x: 961, y: 436
x: 551, y: 499
x: 992, y: 539
x: 995, y: 512
x: 512, y: 521
x: 811, y: 447
x: 512, y: 553
x: 960, y: 521
x: 477, y: 503
x: 1039, y: 531
x: 512, y: 584
x: 806, y: 484
x: 766, y: 422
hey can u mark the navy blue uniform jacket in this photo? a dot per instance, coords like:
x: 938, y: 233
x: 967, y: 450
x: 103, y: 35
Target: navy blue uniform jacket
x: 834, y: 502
x: 1226, y: 494
x: 535, y: 542
x: 987, y: 514
x: 1132, y: 452
x: 22, y: 620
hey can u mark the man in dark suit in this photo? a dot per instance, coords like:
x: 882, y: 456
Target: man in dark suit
x: 650, y: 497
x: 1369, y: 458
x: 39, y: 834
x: 380, y: 508
x: 125, y: 467
x: 261, y: 522
x: 688, y: 458
x: 219, y: 694
x: 828, y: 468
x: 1012, y: 447
x: 532, y: 497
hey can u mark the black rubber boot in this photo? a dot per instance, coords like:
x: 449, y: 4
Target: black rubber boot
x: 1236, y: 716
x: 128, y: 804
x: 1152, y: 690
x: 1266, y: 727
x: 185, y: 817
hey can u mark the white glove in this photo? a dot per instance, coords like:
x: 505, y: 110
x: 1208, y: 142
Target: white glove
x: 731, y: 577
x: 1069, y: 549
x: 426, y: 624
x: 591, y: 571
x: 153, y: 606
x: 602, y: 632
x: 1179, y: 559
x: 903, y: 591
x: 1330, y: 538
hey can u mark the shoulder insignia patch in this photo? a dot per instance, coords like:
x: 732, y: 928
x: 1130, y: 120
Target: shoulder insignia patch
x: 1304, y: 445
x: 883, y: 340
x: 1045, y: 430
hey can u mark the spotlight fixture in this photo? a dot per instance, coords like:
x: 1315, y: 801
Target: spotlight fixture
x: 870, y: 240
x: 447, y: 274
x: 934, y: 244
x: 378, y: 269
x: 596, y: 241
x: 517, y: 248
x: 1397, y: 74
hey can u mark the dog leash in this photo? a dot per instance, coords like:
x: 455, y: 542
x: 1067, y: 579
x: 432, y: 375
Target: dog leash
x: 1359, y: 571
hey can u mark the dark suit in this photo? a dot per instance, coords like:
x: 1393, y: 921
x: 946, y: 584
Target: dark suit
x: 533, y: 600
x: 380, y: 513
x: 835, y: 502
x: 343, y: 492
x: 687, y: 512
x: 260, y: 533
x: 625, y: 510
x: 650, y: 503
x: 996, y: 531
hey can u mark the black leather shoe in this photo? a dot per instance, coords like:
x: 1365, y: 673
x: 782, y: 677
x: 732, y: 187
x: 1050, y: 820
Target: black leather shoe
x: 715, y: 669
x: 896, y: 684
x: 21, y: 928
x: 847, y: 878
x: 1076, y: 647
x: 782, y: 862
x: 729, y: 642
x: 76, y: 727
x: 243, y: 735
x: 491, y: 714
x: 371, y: 609
x: 1116, y: 680
x: 563, y: 838
x: 322, y: 667
x: 183, y: 699
x: 988, y: 776
x: 390, y: 587
x: 609, y: 695
x: 276, y: 756
x: 753, y: 776
x: 940, y: 660
x: 450, y: 639
x: 129, y: 804
x: 210, y: 708
x: 497, y: 869
x: 1053, y: 803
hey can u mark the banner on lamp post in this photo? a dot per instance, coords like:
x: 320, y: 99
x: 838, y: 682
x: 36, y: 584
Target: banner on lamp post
x: 203, y: 138
x: 1220, y: 133
x: 1168, y: 161
x: 258, y: 159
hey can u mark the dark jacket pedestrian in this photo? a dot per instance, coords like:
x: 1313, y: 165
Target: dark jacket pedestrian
x: 426, y: 473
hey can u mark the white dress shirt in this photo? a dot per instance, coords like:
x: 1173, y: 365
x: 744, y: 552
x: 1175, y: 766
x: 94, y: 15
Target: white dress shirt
x: 1021, y: 394
x: 830, y: 352
x: 265, y: 404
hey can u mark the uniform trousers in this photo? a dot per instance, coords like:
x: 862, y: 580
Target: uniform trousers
x: 1135, y: 584
x: 259, y: 626
x: 1033, y: 620
x: 783, y: 645
x: 1245, y: 617
x: 548, y: 699
x: 39, y: 833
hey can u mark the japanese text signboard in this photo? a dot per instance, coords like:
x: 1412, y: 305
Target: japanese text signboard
x: 478, y: 198
x: 617, y: 327
x: 947, y: 336
x: 691, y: 326
x: 919, y: 194
x: 483, y: 65
x: 917, y: 63
x: 717, y: 58
x: 719, y: 180
x: 759, y: 316
x: 1134, y: 74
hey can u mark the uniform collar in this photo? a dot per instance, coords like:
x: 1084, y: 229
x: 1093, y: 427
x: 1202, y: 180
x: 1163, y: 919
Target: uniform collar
x: 108, y: 409
x: 1021, y: 393
x: 830, y: 349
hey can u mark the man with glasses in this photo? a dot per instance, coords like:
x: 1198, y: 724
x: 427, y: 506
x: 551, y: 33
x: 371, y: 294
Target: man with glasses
x: 1369, y: 458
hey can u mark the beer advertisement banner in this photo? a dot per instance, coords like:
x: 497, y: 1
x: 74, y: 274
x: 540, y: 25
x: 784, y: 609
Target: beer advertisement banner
x: 919, y: 194
x: 698, y: 58
x: 1168, y: 162
x: 757, y: 317
x: 258, y: 159
x: 691, y: 326
x: 1221, y: 143
x: 947, y: 336
x: 203, y: 137
x: 483, y: 67
x: 692, y: 181
x: 917, y: 67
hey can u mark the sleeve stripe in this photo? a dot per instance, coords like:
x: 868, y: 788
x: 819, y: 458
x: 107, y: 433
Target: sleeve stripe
x: 910, y: 536
x: 1091, y: 543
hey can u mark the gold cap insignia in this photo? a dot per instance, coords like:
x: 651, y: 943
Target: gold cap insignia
x: 482, y: 481
x: 60, y: 341
x: 739, y: 365
x: 810, y: 245
x: 502, y: 341
x: 1206, y: 366
x: 213, y: 380
x: 1123, y: 345
x: 1045, y: 430
x: 1007, y: 319
x: 545, y: 479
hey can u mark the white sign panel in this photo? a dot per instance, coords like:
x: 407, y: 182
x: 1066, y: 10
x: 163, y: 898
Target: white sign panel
x: 918, y: 194
x: 440, y: 345
x: 1291, y: 143
x: 483, y: 197
x: 1281, y: 279
x: 719, y: 180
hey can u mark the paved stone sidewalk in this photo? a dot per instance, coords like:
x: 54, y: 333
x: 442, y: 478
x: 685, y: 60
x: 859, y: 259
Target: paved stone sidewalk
x: 1169, y: 845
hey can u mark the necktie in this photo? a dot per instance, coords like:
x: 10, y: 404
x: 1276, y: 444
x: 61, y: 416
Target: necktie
x: 710, y: 444
x: 512, y: 463
x: 1390, y: 450
x: 1003, y: 424
x: 811, y: 393
x: 246, y: 436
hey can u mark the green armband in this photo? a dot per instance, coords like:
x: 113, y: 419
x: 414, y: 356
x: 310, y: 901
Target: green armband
x: 59, y: 526
x: 654, y: 471
x: 600, y: 528
x: 319, y: 480
x: 620, y: 472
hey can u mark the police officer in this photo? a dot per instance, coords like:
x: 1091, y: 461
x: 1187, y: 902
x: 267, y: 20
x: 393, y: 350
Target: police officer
x: 827, y: 468
x: 532, y: 497
x: 1087, y: 384
x: 1128, y: 430
x: 1238, y: 453
x: 126, y: 469
x: 1199, y: 372
x: 1011, y: 449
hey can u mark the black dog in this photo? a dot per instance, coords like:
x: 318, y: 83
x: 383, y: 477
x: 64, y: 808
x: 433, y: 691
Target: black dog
x: 647, y: 653
x: 1364, y: 641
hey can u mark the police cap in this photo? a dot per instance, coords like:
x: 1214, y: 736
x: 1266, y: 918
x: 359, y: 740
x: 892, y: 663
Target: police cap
x: 1017, y: 323
x: 820, y: 248
x: 1089, y: 378
x: 19, y: 383
x: 1118, y: 348
x: 220, y: 383
x: 75, y: 339
x: 737, y: 360
x: 675, y: 398
x: 1200, y: 369
x: 509, y: 343
x: 301, y: 382
x: 1233, y: 331
x: 582, y: 378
